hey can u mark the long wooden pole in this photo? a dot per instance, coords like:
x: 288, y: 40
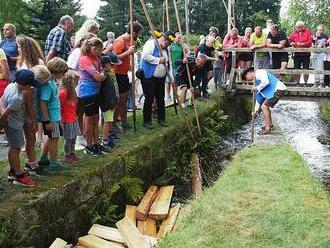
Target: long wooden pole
x: 253, y: 98
x: 133, y: 63
x: 187, y: 68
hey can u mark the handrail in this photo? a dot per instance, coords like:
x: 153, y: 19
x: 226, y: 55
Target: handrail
x: 293, y: 71
x: 287, y: 49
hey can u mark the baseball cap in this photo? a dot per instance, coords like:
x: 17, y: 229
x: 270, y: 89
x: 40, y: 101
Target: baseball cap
x: 111, y: 58
x: 26, y: 77
x: 169, y: 35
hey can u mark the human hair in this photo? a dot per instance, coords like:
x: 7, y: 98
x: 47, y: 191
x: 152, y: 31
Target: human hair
x: 30, y: 52
x: 137, y: 27
x: 111, y: 34
x: 88, y: 44
x: 85, y: 37
x: 65, y: 19
x: 11, y: 25
x: 57, y: 66
x: 321, y: 26
x: 248, y: 29
x: 87, y: 27
x: 41, y: 73
x: 234, y: 30
x: 69, y: 82
x: 300, y: 24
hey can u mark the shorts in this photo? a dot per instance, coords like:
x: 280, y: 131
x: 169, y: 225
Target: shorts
x: 278, y: 58
x: 301, y: 61
x: 80, y: 107
x: 91, y: 105
x: 272, y: 102
x: 246, y: 57
x: 108, y: 115
x: 15, y: 137
x: 3, y: 85
x: 123, y: 83
x: 56, y: 133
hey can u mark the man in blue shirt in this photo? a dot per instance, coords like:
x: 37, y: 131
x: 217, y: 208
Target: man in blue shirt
x: 9, y: 45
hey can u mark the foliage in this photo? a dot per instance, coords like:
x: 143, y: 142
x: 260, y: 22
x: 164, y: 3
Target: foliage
x: 325, y: 111
x: 312, y: 12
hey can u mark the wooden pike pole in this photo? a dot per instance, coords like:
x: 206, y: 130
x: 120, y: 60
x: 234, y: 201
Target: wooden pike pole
x: 131, y: 4
x: 253, y: 99
x: 187, y: 68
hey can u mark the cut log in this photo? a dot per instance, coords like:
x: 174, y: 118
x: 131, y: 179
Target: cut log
x: 58, y: 243
x: 196, y: 186
x: 168, y: 224
x: 148, y: 227
x: 161, y: 206
x: 131, y: 234
x: 91, y: 241
x: 146, y: 203
x: 130, y: 213
x: 108, y: 233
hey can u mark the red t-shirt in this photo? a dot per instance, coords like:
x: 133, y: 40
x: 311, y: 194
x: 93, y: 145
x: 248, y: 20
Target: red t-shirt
x: 68, y: 107
x: 120, y: 46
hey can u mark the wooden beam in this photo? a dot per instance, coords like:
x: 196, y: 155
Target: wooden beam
x: 130, y: 213
x: 287, y: 49
x: 168, y: 224
x: 91, y: 241
x: 108, y: 233
x: 148, y: 227
x: 58, y: 243
x: 146, y: 203
x: 291, y: 89
x: 161, y: 206
x: 132, y: 236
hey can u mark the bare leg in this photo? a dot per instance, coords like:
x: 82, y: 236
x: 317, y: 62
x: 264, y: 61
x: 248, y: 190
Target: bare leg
x: 53, y: 148
x: 267, y: 116
x: 95, y: 129
x: 30, y: 142
x: 14, y: 160
x: 88, y: 129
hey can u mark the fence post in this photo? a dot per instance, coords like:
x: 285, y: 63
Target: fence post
x: 232, y: 76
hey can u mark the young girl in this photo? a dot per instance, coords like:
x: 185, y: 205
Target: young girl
x: 69, y: 101
x: 91, y: 76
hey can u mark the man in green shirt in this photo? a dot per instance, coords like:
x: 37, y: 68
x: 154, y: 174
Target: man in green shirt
x: 258, y: 40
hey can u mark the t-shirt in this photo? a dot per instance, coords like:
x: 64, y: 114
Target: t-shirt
x: 204, y: 49
x: 176, y: 54
x: 276, y: 40
x: 261, y: 40
x: 2, y: 57
x: 11, y: 50
x: 49, y: 94
x: 89, y: 66
x: 68, y: 107
x: 13, y: 100
x: 73, y: 63
x: 120, y: 46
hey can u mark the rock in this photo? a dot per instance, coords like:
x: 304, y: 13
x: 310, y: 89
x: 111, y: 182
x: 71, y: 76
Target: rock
x: 324, y: 139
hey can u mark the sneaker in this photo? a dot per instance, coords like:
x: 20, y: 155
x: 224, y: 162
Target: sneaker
x: 102, y: 149
x: 11, y: 175
x: 148, y: 125
x: 68, y: 159
x: 169, y: 99
x: 109, y: 143
x: 43, y: 163
x: 58, y: 167
x: 90, y: 150
x: 37, y: 171
x: 74, y: 157
x: 24, y: 180
x: 114, y: 136
x: 126, y: 126
x: 162, y: 123
x: 184, y: 110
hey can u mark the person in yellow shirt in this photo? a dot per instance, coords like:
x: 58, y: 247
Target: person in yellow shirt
x: 4, y: 72
x: 258, y: 40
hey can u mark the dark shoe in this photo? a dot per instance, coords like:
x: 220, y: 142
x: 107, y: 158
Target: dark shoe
x: 126, y: 126
x: 43, y: 163
x: 265, y: 131
x: 102, y: 149
x: 148, y: 125
x: 90, y: 150
x: 58, y: 167
x: 114, y: 136
x: 162, y: 124
x: 263, y: 127
x: 111, y: 143
x: 37, y: 171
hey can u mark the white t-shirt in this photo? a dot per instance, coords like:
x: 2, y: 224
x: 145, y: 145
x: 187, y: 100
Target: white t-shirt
x: 73, y: 59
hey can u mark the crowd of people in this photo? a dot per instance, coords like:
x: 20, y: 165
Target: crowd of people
x: 64, y: 89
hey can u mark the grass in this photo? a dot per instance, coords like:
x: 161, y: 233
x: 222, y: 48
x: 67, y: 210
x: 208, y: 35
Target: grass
x: 267, y: 197
x: 325, y: 111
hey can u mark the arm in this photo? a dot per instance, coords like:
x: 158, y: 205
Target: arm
x: 119, y: 46
x: 263, y: 77
x: 147, y: 53
x: 4, y: 118
x: 30, y: 112
x: 5, y: 69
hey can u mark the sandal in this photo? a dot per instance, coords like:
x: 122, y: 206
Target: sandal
x: 266, y: 131
x: 263, y: 127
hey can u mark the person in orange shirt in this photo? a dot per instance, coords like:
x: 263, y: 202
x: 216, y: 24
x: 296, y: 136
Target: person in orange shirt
x: 123, y: 48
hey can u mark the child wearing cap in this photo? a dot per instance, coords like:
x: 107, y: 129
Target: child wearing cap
x: 12, y: 120
x: 109, y: 94
x: 50, y: 114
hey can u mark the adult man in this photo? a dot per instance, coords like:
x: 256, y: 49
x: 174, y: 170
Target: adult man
x: 213, y: 31
x: 110, y: 39
x: 9, y: 45
x: 301, y: 37
x: 123, y: 48
x: 269, y: 91
x: 258, y: 40
x: 206, y: 73
x: 277, y: 39
x: 58, y: 43
x: 154, y: 70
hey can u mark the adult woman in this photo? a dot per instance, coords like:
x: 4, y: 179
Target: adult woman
x: 89, y: 26
x: 245, y: 59
x: 30, y: 53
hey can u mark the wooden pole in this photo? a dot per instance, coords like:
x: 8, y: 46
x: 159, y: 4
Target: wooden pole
x: 132, y: 63
x: 253, y: 98
x: 187, y: 68
x: 186, y: 7
x: 163, y: 17
x: 167, y: 16
x: 229, y: 15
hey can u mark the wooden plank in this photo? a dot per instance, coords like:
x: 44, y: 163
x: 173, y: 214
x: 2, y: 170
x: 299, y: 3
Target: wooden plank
x: 131, y: 234
x: 291, y: 89
x: 196, y: 179
x: 161, y: 205
x: 130, y: 213
x: 108, y: 233
x: 146, y: 203
x: 91, y: 241
x: 80, y: 246
x: 148, y: 227
x: 168, y: 224
x: 287, y: 49
x: 58, y: 243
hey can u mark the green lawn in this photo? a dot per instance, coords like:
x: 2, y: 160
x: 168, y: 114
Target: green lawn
x: 267, y: 197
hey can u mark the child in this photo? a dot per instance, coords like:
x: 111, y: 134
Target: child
x: 218, y: 65
x: 69, y: 101
x: 110, y: 95
x: 50, y: 114
x: 12, y: 120
x: 31, y: 126
x: 91, y: 76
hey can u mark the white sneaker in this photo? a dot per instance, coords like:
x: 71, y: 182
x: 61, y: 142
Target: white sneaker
x: 81, y: 140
